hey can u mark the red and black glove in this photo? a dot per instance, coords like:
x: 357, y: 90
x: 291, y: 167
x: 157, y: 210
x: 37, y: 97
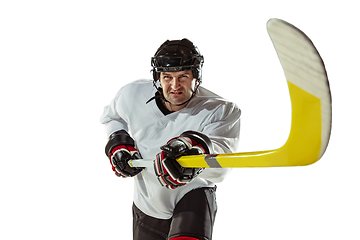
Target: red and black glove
x: 120, y: 149
x: 169, y: 172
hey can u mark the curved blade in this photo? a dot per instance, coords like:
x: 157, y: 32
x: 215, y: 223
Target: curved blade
x: 310, y: 101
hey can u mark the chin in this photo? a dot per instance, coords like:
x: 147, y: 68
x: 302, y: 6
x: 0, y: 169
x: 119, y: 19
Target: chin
x: 178, y: 100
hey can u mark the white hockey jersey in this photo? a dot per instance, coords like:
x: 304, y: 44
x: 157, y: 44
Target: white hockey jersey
x: 150, y: 128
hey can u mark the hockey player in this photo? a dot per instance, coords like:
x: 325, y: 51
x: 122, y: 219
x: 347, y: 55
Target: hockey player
x: 164, y: 119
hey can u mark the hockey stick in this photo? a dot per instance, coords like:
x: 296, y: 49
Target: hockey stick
x: 310, y: 102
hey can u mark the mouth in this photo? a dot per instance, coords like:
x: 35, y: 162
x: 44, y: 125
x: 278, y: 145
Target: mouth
x: 176, y: 93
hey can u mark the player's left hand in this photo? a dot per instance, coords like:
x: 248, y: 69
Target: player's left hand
x: 169, y: 172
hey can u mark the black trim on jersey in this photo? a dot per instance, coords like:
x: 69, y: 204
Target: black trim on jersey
x: 161, y: 105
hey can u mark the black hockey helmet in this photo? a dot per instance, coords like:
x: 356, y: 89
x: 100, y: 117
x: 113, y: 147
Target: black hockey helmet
x: 175, y: 56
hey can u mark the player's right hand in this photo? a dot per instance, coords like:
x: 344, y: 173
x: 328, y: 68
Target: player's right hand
x: 120, y: 149
x: 119, y: 158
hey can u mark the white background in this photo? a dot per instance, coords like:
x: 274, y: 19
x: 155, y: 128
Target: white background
x: 61, y: 62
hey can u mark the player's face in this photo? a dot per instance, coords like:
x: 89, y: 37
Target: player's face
x: 177, y: 87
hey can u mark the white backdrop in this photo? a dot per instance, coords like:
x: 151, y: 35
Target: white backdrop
x: 61, y: 62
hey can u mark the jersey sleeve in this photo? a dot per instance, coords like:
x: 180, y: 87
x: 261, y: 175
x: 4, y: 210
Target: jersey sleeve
x: 111, y: 116
x: 224, y: 133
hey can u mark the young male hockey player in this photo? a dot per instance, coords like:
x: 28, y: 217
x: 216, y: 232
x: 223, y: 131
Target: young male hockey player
x: 176, y: 118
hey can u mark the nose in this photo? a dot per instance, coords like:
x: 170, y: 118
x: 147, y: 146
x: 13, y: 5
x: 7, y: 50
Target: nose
x: 175, y: 83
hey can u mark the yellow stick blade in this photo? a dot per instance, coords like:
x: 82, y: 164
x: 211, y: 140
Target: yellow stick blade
x: 310, y: 101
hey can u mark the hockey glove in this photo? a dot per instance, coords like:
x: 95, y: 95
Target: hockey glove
x: 120, y: 149
x: 169, y: 172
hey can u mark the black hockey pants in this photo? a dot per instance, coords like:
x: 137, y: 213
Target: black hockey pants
x: 193, y: 216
